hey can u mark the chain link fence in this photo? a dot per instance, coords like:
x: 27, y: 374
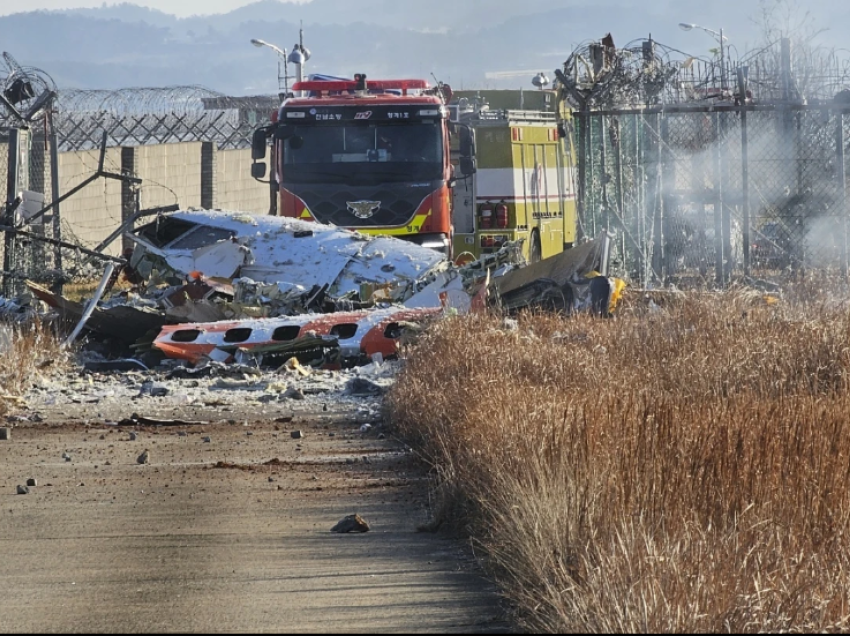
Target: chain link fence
x: 42, y: 260
x: 695, y: 194
x: 27, y: 155
x: 706, y: 194
x: 145, y: 116
x: 34, y: 248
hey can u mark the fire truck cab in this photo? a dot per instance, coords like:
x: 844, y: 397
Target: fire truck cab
x: 366, y: 155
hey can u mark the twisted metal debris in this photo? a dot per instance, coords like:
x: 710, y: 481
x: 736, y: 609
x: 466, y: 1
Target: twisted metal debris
x: 642, y: 73
x: 22, y: 86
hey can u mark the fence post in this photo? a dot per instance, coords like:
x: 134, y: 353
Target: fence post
x: 54, y: 193
x: 641, y: 204
x: 658, y: 249
x: 718, y: 207
x: 621, y: 197
x: 785, y: 71
x: 842, y: 187
x: 725, y: 202
x: 654, y: 198
x: 799, y: 161
x: 37, y: 175
x: 584, y: 130
x: 667, y: 180
x: 9, y: 246
x: 592, y: 196
x: 789, y: 148
x: 208, y: 152
x: 745, y: 170
x: 129, y: 202
x: 603, y: 180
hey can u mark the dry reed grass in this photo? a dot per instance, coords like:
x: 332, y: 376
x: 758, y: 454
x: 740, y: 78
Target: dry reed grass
x: 685, y: 469
x: 82, y: 291
x: 28, y: 350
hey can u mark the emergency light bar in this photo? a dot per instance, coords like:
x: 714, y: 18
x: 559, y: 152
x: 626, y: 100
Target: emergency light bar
x: 380, y: 85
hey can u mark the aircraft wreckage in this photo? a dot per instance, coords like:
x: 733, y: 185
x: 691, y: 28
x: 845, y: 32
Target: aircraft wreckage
x: 230, y: 286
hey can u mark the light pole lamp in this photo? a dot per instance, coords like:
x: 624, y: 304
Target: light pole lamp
x: 299, y: 55
x: 540, y: 80
x: 687, y: 26
x: 281, y: 56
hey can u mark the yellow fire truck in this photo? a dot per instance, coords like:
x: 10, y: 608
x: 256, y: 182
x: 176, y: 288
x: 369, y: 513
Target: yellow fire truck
x: 523, y: 183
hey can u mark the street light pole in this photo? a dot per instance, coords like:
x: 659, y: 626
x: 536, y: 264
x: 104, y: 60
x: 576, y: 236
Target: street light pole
x: 687, y: 26
x: 281, y: 56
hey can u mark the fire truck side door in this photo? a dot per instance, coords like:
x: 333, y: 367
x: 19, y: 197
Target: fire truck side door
x: 463, y: 204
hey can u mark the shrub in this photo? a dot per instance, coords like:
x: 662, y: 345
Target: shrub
x: 28, y: 349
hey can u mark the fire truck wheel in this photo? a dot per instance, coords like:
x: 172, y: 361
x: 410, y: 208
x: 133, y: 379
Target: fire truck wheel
x: 535, y: 252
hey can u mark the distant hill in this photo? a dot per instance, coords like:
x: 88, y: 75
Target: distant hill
x: 460, y: 41
x: 124, y: 12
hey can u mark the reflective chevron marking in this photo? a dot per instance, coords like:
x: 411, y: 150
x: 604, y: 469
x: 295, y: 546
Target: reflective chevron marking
x: 412, y: 228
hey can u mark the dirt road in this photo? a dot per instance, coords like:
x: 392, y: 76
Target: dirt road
x: 227, y: 528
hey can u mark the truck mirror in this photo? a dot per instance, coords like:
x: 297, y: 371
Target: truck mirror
x: 467, y: 165
x: 467, y: 142
x: 258, y: 144
x: 258, y: 170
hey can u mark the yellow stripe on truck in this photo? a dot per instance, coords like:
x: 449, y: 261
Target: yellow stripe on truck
x: 414, y: 227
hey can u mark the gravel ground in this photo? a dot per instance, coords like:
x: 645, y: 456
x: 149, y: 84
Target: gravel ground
x: 226, y: 528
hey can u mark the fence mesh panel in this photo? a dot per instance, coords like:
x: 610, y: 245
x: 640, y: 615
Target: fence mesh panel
x: 694, y: 195
x: 704, y: 195
x: 4, y: 167
x: 32, y: 191
x: 85, y: 120
x: 144, y: 116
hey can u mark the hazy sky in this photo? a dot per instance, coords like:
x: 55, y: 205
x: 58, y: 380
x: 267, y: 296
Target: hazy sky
x: 181, y: 8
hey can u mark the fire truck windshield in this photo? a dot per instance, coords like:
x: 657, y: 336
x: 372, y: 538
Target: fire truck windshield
x: 348, y: 152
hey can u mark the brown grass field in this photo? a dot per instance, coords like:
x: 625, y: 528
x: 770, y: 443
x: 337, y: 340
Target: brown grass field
x: 680, y: 469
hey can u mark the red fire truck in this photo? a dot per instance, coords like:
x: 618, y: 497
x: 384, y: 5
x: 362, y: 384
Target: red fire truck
x: 367, y: 155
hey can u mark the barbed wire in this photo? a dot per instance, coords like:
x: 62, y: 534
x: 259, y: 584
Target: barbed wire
x: 23, y: 87
x: 137, y: 116
x: 169, y: 100
x: 646, y: 72
x: 147, y: 116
